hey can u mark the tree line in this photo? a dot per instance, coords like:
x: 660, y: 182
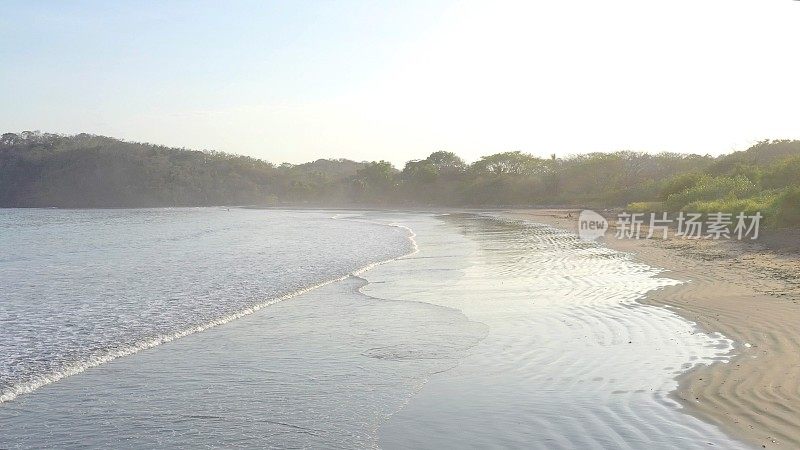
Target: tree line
x: 81, y: 171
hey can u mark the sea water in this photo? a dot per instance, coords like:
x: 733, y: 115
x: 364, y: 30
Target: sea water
x: 474, y: 332
x: 82, y: 287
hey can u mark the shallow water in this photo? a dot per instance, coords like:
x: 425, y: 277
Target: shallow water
x: 81, y: 287
x: 571, y: 360
x: 494, y: 334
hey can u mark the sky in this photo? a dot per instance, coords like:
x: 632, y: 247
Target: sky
x: 294, y: 81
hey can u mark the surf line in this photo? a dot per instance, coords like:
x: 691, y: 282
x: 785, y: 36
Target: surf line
x: 39, y: 381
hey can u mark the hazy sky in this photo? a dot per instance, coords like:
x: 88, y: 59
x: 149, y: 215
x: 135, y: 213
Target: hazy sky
x: 296, y: 81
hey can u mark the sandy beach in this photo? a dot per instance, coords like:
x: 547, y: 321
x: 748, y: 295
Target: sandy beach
x: 749, y: 292
x: 489, y: 334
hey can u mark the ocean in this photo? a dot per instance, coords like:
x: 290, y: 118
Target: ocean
x: 209, y: 327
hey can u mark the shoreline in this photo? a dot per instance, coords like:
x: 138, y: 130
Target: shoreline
x: 298, y: 365
x: 130, y: 349
x: 471, y: 283
x: 570, y: 359
x: 745, y: 291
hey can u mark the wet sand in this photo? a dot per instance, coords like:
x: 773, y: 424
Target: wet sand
x: 494, y: 334
x: 748, y: 292
x: 570, y: 360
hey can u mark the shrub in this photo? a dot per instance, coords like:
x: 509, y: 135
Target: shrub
x: 712, y: 188
x: 679, y: 184
x: 782, y: 174
x: 763, y: 203
x: 786, y: 208
x: 645, y: 207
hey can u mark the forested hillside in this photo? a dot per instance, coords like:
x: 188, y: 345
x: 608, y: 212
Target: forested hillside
x: 44, y: 170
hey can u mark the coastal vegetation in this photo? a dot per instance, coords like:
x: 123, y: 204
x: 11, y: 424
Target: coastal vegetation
x: 53, y: 170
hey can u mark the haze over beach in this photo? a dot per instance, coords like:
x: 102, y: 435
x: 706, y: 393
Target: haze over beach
x: 422, y: 224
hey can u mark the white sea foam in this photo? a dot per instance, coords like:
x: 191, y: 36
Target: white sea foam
x: 516, y: 335
x: 43, y: 378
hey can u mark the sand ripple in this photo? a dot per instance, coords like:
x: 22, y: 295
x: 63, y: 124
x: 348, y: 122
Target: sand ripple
x: 571, y: 359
